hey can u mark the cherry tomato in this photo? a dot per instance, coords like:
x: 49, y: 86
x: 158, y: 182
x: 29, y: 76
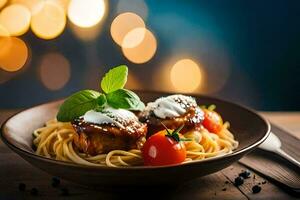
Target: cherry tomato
x: 212, y: 121
x: 160, y: 149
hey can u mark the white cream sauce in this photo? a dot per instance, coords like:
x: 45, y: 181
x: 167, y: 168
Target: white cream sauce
x: 171, y: 106
x: 110, y: 115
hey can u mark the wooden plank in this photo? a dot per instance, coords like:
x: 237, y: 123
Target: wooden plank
x: 16, y: 170
x: 269, y: 191
x: 215, y: 186
x: 275, y: 167
x: 289, y: 121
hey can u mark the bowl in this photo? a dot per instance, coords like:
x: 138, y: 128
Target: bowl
x: 248, y: 127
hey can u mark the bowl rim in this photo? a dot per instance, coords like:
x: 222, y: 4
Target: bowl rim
x: 250, y: 147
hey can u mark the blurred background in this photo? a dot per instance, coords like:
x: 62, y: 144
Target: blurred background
x: 244, y: 51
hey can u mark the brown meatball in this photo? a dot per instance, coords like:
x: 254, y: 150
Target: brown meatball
x: 97, y: 139
x: 191, y: 120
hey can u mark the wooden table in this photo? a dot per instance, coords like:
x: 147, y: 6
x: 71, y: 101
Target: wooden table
x: 14, y: 170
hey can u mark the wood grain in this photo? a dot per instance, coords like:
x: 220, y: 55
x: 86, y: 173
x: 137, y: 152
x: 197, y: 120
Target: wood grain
x: 275, y: 167
x: 16, y: 170
x: 289, y: 121
x: 246, y: 188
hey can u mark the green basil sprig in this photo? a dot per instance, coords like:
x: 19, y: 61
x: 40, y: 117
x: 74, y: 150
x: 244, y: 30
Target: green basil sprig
x: 115, y: 79
x: 114, y: 95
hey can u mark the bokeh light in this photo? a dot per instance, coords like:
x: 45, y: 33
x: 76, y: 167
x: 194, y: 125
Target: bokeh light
x: 48, y: 20
x: 144, y: 51
x: 63, y: 4
x: 3, y: 32
x: 136, y: 6
x: 16, y: 19
x: 133, y: 38
x: 2, y: 3
x: 13, y: 54
x: 123, y: 24
x: 30, y: 4
x: 54, y: 71
x: 86, y: 13
x: 186, y: 75
x: 86, y: 34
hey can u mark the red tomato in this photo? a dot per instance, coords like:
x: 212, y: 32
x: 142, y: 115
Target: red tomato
x: 162, y: 150
x: 212, y: 121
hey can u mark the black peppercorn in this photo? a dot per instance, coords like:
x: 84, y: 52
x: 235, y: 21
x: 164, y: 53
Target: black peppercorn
x: 245, y: 174
x: 238, y: 181
x: 256, y: 189
x: 22, y: 186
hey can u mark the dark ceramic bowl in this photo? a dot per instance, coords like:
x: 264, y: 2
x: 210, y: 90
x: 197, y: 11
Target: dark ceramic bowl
x: 249, y: 128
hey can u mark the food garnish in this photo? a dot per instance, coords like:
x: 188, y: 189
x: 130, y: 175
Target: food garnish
x: 245, y: 174
x: 256, y: 189
x: 113, y: 95
x: 164, y: 148
x: 239, y: 181
x: 212, y: 120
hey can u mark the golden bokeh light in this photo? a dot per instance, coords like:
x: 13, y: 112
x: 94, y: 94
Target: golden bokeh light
x: 14, y: 56
x: 133, y: 38
x: 123, y: 24
x: 3, y: 32
x: 63, y: 4
x: 2, y: 3
x: 186, y: 75
x: 16, y: 19
x: 48, y: 20
x: 5, y: 45
x: 86, y: 13
x: 86, y: 34
x: 136, y: 6
x: 144, y: 51
x: 30, y: 4
x: 54, y: 71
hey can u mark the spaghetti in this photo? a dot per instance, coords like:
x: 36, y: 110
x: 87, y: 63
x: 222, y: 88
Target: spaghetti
x: 55, y: 140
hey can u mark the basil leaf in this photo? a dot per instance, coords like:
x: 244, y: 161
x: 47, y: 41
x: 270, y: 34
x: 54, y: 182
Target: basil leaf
x: 114, y: 79
x: 77, y: 105
x: 101, y: 100
x: 125, y: 99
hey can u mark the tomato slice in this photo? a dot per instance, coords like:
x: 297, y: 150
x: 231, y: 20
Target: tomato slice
x: 212, y: 121
x: 160, y: 149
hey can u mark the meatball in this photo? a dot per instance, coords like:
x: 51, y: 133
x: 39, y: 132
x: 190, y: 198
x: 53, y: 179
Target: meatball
x: 191, y: 120
x: 173, y: 111
x: 96, y: 139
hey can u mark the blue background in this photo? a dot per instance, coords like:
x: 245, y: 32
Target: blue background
x: 261, y: 40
